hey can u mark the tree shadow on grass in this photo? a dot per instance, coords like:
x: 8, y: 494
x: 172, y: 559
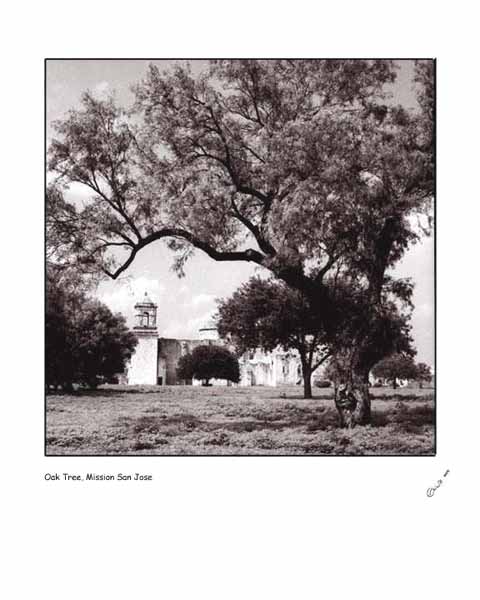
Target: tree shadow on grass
x: 286, y: 417
x: 410, y: 419
x: 402, y: 397
x: 298, y: 397
x: 108, y: 392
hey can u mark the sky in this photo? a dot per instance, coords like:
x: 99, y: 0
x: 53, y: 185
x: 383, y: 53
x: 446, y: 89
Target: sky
x: 185, y: 304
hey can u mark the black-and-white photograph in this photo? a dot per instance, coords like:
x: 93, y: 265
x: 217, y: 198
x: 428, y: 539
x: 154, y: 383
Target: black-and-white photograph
x: 240, y: 257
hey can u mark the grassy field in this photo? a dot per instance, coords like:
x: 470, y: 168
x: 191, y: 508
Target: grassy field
x: 193, y: 420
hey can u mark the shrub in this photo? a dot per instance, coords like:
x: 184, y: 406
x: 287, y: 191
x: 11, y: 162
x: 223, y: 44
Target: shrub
x: 209, y: 362
x: 86, y: 343
x: 323, y: 383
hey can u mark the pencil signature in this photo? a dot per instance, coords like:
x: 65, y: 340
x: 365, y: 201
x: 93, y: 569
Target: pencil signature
x: 431, y: 490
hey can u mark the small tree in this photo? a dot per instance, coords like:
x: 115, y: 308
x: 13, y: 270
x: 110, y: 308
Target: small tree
x: 59, y: 333
x: 104, y: 344
x: 394, y: 367
x: 266, y: 314
x: 85, y: 341
x: 185, y: 367
x: 209, y: 362
x: 424, y: 374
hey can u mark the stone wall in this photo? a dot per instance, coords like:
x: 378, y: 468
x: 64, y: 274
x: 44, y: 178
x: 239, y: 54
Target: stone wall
x: 269, y: 368
x: 169, y: 352
x: 142, y: 369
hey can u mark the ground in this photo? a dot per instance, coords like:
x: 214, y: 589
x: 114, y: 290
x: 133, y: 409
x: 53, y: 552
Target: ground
x: 120, y: 420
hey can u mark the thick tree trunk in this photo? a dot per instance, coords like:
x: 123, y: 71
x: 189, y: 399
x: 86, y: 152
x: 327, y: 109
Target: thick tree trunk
x: 352, y: 400
x: 394, y: 383
x: 363, y: 411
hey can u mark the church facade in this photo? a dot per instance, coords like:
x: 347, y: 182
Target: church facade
x: 155, y: 359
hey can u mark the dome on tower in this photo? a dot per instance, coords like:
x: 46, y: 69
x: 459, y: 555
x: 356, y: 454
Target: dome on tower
x: 146, y: 300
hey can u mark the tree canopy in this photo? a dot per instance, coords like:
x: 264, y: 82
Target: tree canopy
x: 395, y: 367
x: 209, y: 361
x: 424, y: 373
x: 85, y: 342
x: 297, y: 166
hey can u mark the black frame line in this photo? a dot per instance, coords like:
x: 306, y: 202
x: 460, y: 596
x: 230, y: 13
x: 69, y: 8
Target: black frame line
x: 295, y: 456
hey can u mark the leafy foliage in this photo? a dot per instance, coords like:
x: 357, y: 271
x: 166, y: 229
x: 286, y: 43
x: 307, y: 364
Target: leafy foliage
x: 85, y: 342
x: 266, y: 314
x: 209, y: 362
x: 301, y: 158
x: 424, y: 373
x: 67, y: 266
x: 394, y: 367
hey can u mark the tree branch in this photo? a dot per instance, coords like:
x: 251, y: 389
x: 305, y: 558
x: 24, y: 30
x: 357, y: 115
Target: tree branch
x: 263, y: 244
x: 245, y: 255
x: 321, y: 361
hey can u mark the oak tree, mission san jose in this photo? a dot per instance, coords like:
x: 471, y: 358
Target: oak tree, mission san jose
x: 302, y: 167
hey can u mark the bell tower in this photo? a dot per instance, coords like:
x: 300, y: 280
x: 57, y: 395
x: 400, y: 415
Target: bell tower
x: 143, y: 364
x: 145, y: 315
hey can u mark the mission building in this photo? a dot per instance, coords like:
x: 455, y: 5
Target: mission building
x: 155, y: 359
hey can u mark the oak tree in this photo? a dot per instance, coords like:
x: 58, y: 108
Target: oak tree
x: 266, y: 314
